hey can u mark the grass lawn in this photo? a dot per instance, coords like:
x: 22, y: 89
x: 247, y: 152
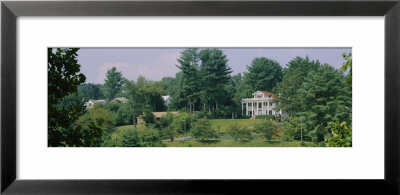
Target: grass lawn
x: 223, y: 124
x: 232, y: 143
x: 225, y: 141
x: 118, y: 130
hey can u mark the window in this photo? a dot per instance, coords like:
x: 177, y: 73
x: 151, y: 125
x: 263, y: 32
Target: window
x: 270, y: 104
x: 259, y: 105
x: 270, y: 112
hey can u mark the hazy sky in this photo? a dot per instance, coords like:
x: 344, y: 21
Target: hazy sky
x: 155, y: 63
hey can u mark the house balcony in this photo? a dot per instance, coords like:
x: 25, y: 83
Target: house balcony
x: 256, y: 100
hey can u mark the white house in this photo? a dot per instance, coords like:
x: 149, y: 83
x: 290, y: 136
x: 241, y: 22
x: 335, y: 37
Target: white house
x: 167, y: 99
x: 262, y: 103
x: 91, y: 103
x: 120, y: 100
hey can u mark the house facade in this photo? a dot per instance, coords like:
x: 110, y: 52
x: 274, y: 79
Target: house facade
x: 167, y: 100
x: 262, y: 103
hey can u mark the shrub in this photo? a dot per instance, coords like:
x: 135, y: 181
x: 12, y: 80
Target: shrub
x: 270, y: 117
x: 238, y: 132
x: 129, y: 138
x: 202, y: 130
x: 92, y: 127
x: 148, y: 117
x: 341, y: 135
x: 292, y: 129
x: 266, y: 129
x: 151, y: 138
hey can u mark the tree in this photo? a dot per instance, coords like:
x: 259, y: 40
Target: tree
x: 113, y: 83
x: 263, y: 74
x: 348, y: 65
x: 129, y: 138
x: 151, y: 138
x: 63, y: 79
x: 188, y: 64
x: 148, y: 117
x: 90, y: 91
x: 202, y: 130
x: 293, y: 77
x: 267, y: 129
x: 341, y: 135
x: 238, y: 132
x: 215, y: 74
x: 293, y: 129
x: 324, y: 97
x: 91, y: 127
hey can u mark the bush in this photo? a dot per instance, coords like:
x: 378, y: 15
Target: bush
x: 202, y: 130
x: 268, y: 117
x: 148, y: 117
x: 202, y: 114
x: 92, y: 127
x: 129, y: 138
x: 292, y: 129
x: 266, y: 129
x: 151, y: 138
x: 341, y: 135
x: 238, y: 132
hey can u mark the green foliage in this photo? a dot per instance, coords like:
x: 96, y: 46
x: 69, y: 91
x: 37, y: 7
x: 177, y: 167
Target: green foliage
x: 188, y: 64
x: 113, y: 83
x: 341, y: 135
x: 292, y: 129
x: 90, y: 91
x: 215, y: 74
x: 324, y: 97
x: 165, y: 121
x: 129, y: 138
x: 238, y: 132
x: 172, y: 126
x: 121, y: 112
x: 91, y: 127
x: 202, y: 130
x: 151, y: 138
x: 266, y: 129
x: 269, y: 117
x: 346, y: 65
x: 144, y: 95
x: 63, y: 79
x: 293, y: 78
x: 264, y: 74
x: 148, y: 117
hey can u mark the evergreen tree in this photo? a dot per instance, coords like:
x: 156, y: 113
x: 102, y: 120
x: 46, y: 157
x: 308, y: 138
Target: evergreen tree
x: 263, y: 74
x: 294, y: 76
x: 113, y: 83
x: 188, y: 64
x: 324, y: 97
x: 215, y: 74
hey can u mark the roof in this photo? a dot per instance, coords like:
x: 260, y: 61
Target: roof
x: 161, y: 114
x: 268, y: 94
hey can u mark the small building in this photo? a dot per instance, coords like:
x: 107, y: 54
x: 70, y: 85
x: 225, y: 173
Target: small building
x: 120, y: 100
x: 157, y: 116
x: 91, y: 103
x: 167, y: 100
x: 262, y: 103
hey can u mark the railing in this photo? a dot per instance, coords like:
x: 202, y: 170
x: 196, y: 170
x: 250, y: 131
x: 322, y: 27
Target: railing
x: 257, y: 99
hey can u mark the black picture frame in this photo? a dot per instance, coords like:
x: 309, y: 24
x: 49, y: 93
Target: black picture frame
x: 10, y: 10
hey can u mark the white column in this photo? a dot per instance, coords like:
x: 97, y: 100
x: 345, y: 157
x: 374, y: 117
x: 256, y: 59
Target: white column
x: 262, y: 107
x: 252, y: 108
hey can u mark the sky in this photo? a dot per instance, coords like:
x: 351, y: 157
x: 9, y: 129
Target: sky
x: 156, y: 63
